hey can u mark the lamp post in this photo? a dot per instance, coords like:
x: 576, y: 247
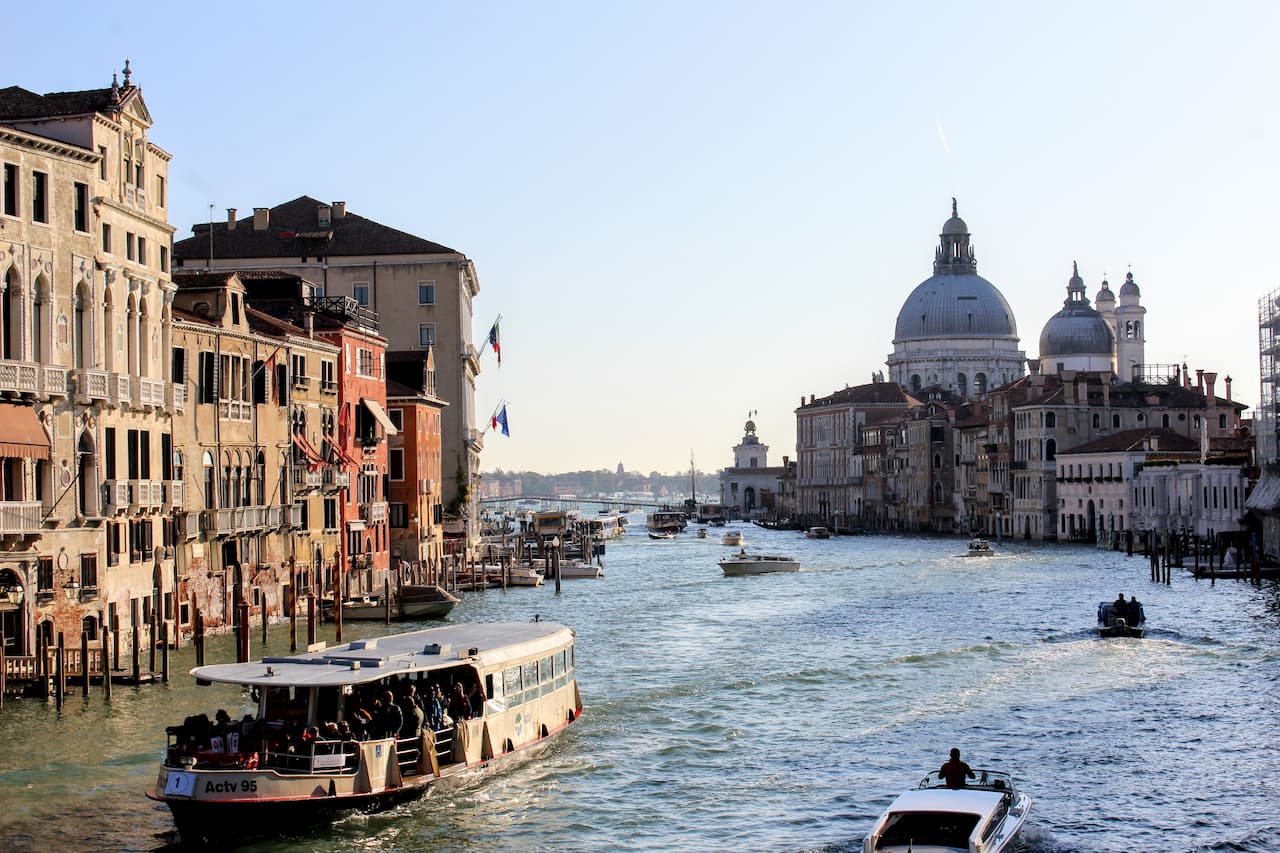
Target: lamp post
x: 555, y: 559
x: 71, y: 589
x: 14, y: 594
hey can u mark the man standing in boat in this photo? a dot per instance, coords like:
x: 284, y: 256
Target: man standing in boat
x: 955, y: 771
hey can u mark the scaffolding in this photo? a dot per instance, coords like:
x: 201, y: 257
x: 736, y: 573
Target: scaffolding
x: 1265, y: 418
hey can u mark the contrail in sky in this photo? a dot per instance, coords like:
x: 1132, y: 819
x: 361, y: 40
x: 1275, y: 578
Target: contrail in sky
x: 943, y: 136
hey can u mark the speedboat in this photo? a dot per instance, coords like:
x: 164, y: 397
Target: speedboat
x: 984, y: 816
x: 978, y: 547
x: 743, y: 563
x: 702, y: 533
x: 668, y: 534
x: 817, y: 533
x: 1114, y: 623
x: 732, y: 537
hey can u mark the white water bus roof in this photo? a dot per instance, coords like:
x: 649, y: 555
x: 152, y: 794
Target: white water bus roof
x: 373, y: 659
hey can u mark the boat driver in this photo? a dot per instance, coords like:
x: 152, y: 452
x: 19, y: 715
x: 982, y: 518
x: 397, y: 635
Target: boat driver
x: 955, y: 770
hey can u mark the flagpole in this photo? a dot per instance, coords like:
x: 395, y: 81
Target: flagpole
x: 486, y: 339
x: 502, y: 402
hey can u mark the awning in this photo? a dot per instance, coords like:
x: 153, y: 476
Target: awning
x: 375, y: 409
x: 343, y: 456
x: 300, y: 441
x: 355, y: 524
x: 21, y: 434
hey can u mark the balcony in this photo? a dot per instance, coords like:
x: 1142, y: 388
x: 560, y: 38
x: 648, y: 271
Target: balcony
x: 177, y: 397
x: 189, y: 525
x: 174, y: 494
x: 119, y: 389
x: 146, y: 494
x: 328, y: 386
x: 372, y: 513
x: 306, y: 479
x: 90, y: 385
x: 115, y: 496
x: 292, y: 516
x: 335, y: 478
x: 244, y: 519
x: 301, y: 380
x: 474, y: 438
x: 21, y: 377
x: 235, y: 410
x: 20, y: 518
x: 146, y: 393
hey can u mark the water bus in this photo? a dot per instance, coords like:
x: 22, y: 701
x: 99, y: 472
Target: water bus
x: 602, y: 527
x: 666, y: 521
x: 297, y: 763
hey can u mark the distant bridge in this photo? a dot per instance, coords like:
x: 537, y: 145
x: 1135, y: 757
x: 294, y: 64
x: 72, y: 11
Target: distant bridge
x: 549, y: 502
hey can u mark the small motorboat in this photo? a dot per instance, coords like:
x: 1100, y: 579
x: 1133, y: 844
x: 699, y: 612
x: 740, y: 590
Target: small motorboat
x: 662, y: 534
x: 985, y: 815
x: 743, y: 563
x: 1115, y: 622
x: 978, y: 547
x: 732, y: 537
x: 702, y: 533
x: 817, y: 533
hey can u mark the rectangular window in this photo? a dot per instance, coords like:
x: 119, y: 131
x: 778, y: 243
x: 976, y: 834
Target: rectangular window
x: 208, y: 386
x: 396, y: 416
x: 426, y: 334
x: 179, y: 369
x: 426, y: 293
x: 330, y: 513
x: 144, y: 454
x: 159, y: 190
x: 361, y: 293
x: 82, y: 207
x: 106, y: 238
x: 142, y: 256
x: 164, y: 259
x: 166, y: 456
x: 398, y: 515
x: 128, y: 245
x: 10, y: 189
x: 395, y: 464
x: 44, y: 574
x: 131, y: 448
x: 364, y: 363
x: 102, y: 162
x: 88, y: 571
x: 39, y: 197
x: 109, y: 451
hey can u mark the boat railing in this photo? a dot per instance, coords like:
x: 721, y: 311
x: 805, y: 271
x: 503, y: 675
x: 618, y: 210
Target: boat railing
x: 983, y: 780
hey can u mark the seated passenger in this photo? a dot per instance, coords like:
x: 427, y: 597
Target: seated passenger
x: 1133, y: 614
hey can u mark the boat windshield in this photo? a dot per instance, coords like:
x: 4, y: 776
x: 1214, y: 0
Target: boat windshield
x: 984, y: 780
x: 928, y: 829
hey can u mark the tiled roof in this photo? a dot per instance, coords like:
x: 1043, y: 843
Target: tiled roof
x: 874, y: 393
x: 293, y: 232
x: 1166, y: 441
x: 19, y: 103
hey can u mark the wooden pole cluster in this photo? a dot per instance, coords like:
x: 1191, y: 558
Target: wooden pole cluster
x: 198, y: 639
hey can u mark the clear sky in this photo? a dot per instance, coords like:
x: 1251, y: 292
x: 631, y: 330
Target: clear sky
x: 685, y: 211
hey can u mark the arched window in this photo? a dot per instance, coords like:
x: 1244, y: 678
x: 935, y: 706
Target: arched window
x: 1115, y: 422
x: 937, y: 460
x: 1097, y: 421
x: 210, y: 484
x: 1050, y: 450
x: 937, y: 493
x: 1164, y: 421
x: 144, y: 339
x: 83, y: 355
x: 1050, y: 420
x: 228, y: 493
x: 962, y: 385
x: 39, y: 321
x: 131, y: 334
x: 915, y: 383
x: 260, y: 479
x: 87, y: 493
x: 9, y: 318
x: 980, y: 384
x: 109, y: 342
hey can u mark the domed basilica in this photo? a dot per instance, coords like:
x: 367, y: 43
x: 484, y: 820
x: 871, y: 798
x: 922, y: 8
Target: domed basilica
x: 1108, y: 338
x: 955, y: 330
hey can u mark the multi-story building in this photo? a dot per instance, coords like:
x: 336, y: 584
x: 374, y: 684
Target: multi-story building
x: 750, y: 486
x: 422, y: 292
x: 84, y: 338
x: 416, y: 512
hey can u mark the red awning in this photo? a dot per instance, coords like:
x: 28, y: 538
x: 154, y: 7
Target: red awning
x: 343, y: 455
x: 300, y: 442
x: 21, y: 435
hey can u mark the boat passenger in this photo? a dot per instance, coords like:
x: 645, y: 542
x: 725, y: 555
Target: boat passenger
x: 391, y: 718
x: 1133, y: 613
x: 458, y: 707
x: 475, y: 701
x: 1119, y: 607
x: 435, y: 710
x: 955, y: 771
x: 414, y: 717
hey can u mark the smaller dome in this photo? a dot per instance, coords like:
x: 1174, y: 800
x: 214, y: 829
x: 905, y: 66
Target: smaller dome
x: 954, y: 225
x: 750, y: 427
x: 1130, y: 287
x: 1105, y: 294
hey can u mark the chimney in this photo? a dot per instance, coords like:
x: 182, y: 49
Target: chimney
x: 339, y: 210
x: 1186, y: 376
x: 261, y: 218
x: 1209, y: 380
x: 1200, y: 380
x: 322, y: 216
x: 1228, y: 384
x: 231, y: 219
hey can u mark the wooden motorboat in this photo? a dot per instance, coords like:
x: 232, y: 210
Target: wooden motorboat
x: 731, y: 537
x: 418, y: 601
x: 978, y: 547
x: 757, y: 564
x: 1114, y: 622
x: 986, y: 815
x: 669, y: 534
x: 817, y: 533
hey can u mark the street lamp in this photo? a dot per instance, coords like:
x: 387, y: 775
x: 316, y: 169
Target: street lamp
x: 14, y: 594
x: 71, y: 588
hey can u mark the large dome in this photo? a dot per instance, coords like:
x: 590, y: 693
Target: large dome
x: 1077, y: 329
x: 955, y: 306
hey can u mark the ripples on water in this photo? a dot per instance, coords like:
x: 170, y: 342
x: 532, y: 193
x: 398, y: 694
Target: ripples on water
x: 784, y: 712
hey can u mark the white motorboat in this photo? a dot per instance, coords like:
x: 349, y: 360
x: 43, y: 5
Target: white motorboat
x: 983, y: 816
x: 1114, y: 622
x: 743, y: 563
x: 817, y: 533
x: 702, y: 533
x: 731, y: 537
x: 578, y: 569
x: 978, y: 547
x: 423, y: 601
x: 669, y: 534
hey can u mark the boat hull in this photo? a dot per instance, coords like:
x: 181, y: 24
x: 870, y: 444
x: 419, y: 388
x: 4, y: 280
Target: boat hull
x: 738, y: 568
x: 219, y: 822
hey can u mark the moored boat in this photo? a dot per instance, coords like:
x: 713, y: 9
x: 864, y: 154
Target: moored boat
x: 757, y: 564
x: 418, y: 601
x: 985, y: 815
x: 290, y: 769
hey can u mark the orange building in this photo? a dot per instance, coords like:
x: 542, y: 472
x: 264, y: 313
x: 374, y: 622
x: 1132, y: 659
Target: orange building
x: 415, y: 483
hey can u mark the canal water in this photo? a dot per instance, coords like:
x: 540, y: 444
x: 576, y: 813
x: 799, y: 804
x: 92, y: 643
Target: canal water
x: 783, y: 712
